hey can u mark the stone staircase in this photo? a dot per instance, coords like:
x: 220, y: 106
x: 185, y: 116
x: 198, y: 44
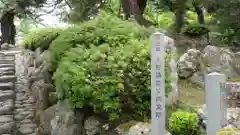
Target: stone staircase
x: 7, y: 93
x: 16, y: 105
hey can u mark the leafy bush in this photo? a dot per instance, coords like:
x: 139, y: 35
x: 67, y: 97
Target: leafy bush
x: 104, y: 29
x: 192, y: 18
x: 195, y: 30
x: 165, y: 20
x: 41, y: 37
x: 184, y: 123
x: 111, y: 80
x: 231, y: 131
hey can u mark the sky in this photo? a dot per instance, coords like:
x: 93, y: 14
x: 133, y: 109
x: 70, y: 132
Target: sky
x: 52, y: 19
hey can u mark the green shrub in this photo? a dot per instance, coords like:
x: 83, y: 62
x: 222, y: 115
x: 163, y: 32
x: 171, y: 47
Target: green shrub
x: 112, y: 80
x: 195, y: 30
x: 41, y: 37
x: 192, y: 18
x: 184, y: 123
x: 230, y: 131
x: 165, y: 20
x: 104, y: 29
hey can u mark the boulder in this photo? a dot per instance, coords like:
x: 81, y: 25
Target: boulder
x: 233, y: 116
x: 135, y: 128
x: 189, y: 63
x: 142, y: 129
x: 221, y: 60
x: 5, y: 46
x: 38, y: 58
x: 60, y: 120
x: 41, y: 73
x: 52, y: 98
x: 195, y: 64
x: 92, y: 126
x: 28, y: 59
x: 211, y: 56
x: 40, y: 94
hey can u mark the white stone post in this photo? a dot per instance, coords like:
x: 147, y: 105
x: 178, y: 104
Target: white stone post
x: 158, y: 84
x: 215, y: 102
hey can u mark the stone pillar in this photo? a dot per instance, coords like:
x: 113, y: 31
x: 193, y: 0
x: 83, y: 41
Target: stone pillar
x: 158, y: 84
x: 215, y: 102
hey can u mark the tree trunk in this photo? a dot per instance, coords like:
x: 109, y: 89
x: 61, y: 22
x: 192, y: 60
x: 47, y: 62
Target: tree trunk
x: 142, y: 5
x: 135, y: 8
x: 180, y: 14
x: 126, y: 8
x: 199, y: 12
x: 8, y: 29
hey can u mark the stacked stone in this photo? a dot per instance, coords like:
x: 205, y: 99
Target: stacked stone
x: 24, y: 103
x: 233, y: 94
x: 16, y: 103
x: 7, y: 94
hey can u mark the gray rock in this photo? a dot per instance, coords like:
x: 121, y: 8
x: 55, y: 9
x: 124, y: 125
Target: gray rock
x: 41, y: 94
x: 189, y: 63
x: 6, y: 118
x: 60, y: 120
x: 6, y: 109
x: 38, y: 58
x: 233, y: 116
x: 5, y: 46
x: 6, y: 128
x: 25, y: 130
x: 92, y: 126
x: 19, y: 117
x: 53, y: 98
x: 142, y: 129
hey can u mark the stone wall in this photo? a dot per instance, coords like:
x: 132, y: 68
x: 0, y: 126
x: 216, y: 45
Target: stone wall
x: 56, y: 117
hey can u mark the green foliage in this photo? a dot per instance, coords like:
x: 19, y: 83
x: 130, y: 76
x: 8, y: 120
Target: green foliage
x: 24, y: 26
x: 184, y: 123
x: 195, y: 30
x: 192, y: 18
x: 41, y: 37
x: 113, y: 80
x: 230, y: 131
x: 166, y: 20
x: 104, y: 29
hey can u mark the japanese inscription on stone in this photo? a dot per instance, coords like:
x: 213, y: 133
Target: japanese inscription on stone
x: 158, y: 84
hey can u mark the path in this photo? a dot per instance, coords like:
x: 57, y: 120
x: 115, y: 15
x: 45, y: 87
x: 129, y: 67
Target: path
x: 16, y: 105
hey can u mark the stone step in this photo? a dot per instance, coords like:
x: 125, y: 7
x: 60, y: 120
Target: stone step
x: 6, y: 54
x: 7, y: 73
x: 7, y: 69
x: 7, y: 61
x: 7, y: 107
x: 7, y: 58
x: 6, y: 94
x: 7, y: 124
x: 6, y: 86
x: 8, y: 78
x: 7, y: 65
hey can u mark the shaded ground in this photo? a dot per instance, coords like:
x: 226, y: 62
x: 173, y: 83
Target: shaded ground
x: 191, y: 94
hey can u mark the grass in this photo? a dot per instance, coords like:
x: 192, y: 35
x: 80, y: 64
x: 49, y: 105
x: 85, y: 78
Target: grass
x: 236, y: 79
x: 190, y: 93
